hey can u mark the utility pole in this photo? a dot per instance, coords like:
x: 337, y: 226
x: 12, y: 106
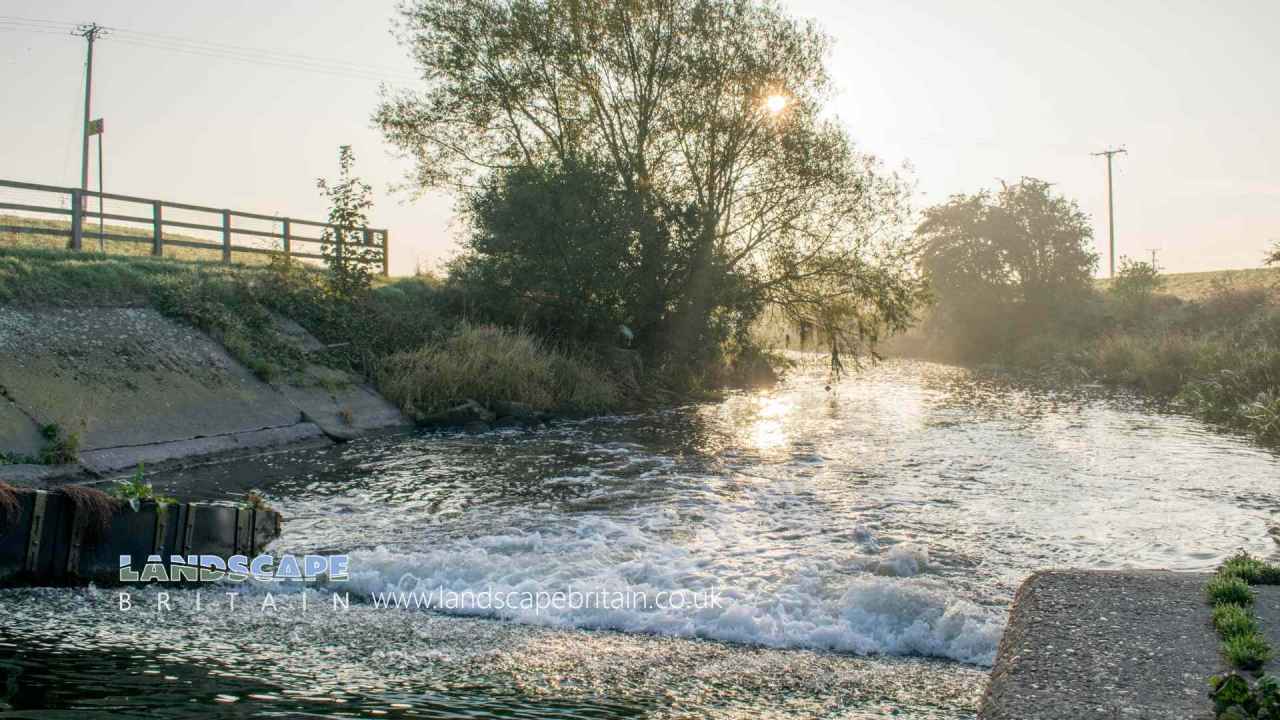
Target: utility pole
x: 89, y: 32
x: 1111, y: 211
x: 1154, y: 264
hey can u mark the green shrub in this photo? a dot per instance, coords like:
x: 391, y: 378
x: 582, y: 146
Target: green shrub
x: 1262, y: 414
x: 1231, y: 620
x: 137, y: 490
x: 1223, y: 590
x: 61, y: 447
x: 1250, y: 569
x: 487, y: 363
x: 1247, y: 652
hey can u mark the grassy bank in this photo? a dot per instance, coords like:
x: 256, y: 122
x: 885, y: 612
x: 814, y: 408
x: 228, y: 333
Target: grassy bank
x: 1216, y: 356
x: 402, y: 334
x: 491, y: 364
x: 56, y: 239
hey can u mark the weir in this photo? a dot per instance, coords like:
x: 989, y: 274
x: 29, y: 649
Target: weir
x: 47, y: 538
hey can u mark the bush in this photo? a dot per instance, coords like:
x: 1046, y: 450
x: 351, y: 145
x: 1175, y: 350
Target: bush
x: 1250, y: 569
x: 1133, y: 290
x: 1231, y: 620
x: 487, y: 363
x: 1233, y: 590
x: 1247, y: 652
x: 61, y: 447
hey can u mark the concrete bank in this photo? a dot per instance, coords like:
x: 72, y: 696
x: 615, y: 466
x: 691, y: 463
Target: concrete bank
x: 134, y: 386
x: 1095, y: 644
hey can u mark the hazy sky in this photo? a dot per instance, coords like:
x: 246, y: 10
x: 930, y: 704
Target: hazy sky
x: 966, y: 92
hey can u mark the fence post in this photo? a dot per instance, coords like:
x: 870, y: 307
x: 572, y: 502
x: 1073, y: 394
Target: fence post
x: 157, y: 233
x: 386, y: 255
x: 337, y: 246
x: 77, y: 220
x: 284, y: 236
x: 226, y: 236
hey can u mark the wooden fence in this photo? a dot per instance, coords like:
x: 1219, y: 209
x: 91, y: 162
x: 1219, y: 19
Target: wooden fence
x: 228, y: 225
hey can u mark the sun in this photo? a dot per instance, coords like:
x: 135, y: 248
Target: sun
x: 776, y: 103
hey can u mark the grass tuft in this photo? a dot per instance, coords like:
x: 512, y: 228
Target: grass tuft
x: 486, y: 364
x: 1229, y: 590
x: 1247, y: 652
x: 1231, y: 620
x: 1250, y: 569
x: 92, y: 512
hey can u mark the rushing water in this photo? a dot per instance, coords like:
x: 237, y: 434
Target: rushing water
x: 863, y: 541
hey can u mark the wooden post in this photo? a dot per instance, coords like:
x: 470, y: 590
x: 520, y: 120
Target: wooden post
x: 337, y: 245
x: 77, y: 220
x: 386, y: 255
x: 284, y: 237
x: 157, y: 233
x: 226, y: 236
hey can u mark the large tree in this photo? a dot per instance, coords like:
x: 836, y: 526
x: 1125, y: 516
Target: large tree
x: 709, y: 117
x: 1006, y: 264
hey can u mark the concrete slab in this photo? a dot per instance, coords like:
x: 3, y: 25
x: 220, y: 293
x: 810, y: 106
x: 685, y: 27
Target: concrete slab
x: 42, y: 476
x: 1266, y: 606
x: 19, y: 434
x: 115, y: 459
x: 343, y: 408
x: 1092, y: 644
x: 129, y: 376
x: 339, y: 403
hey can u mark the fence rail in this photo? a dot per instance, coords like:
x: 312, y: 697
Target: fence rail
x: 284, y: 240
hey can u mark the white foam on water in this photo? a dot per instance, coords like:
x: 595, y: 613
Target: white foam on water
x: 796, y: 606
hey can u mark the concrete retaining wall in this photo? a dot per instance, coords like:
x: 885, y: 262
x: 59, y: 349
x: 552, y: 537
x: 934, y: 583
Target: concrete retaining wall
x: 136, y: 386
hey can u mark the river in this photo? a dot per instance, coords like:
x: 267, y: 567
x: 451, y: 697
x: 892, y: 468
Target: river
x: 862, y: 543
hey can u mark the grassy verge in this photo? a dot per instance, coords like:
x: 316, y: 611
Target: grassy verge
x: 142, y: 248
x: 402, y: 334
x: 1243, y: 644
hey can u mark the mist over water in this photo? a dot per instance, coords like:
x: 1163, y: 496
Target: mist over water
x: 865, y: 543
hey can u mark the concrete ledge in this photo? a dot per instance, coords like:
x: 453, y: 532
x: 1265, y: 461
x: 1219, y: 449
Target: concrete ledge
x: 1096, y: 644
x: 41, y: 476
x: 115, y: 459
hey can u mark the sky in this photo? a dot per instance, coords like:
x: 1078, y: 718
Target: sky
x: 964, y: 94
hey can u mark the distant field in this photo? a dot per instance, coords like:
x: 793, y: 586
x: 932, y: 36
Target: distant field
x: 1192, y: 286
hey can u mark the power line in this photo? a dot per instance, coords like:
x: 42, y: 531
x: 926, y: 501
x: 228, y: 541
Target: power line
x: 190, y: 46
x: 261, y: 61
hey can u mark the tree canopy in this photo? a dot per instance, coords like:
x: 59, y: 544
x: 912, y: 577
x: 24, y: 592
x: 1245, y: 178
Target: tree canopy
x: 723, y: 185
x: 999, y: 263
